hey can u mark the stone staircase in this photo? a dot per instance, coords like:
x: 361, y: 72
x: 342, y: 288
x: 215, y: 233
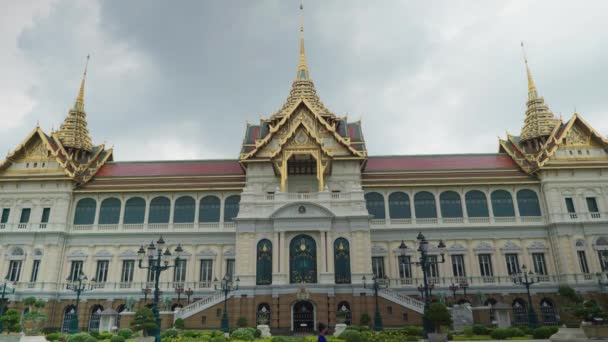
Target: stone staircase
x: 202, y: 304
x: 403, y: 300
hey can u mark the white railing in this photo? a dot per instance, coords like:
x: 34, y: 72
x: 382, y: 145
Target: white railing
x: 31, y: 226
x: 153, y: 227
x: 515, y: 220
x: 580, y: 217
x: 403, y: 300
x: 202, y: 304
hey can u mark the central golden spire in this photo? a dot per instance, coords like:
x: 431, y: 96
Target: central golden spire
x: 79, y: 104
x: 302, y: 73
x: 532, y: 92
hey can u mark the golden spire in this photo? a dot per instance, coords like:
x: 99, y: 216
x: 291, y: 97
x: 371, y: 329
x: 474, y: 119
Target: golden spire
x: 79, y: 104
x: 532, y: 92
x: 302, y: 73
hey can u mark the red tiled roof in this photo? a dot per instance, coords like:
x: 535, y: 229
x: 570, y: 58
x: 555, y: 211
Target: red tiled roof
x: 440, y: 162
x: 171, y: 168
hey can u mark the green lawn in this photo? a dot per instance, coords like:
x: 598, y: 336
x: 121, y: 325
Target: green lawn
x: 489, y: 338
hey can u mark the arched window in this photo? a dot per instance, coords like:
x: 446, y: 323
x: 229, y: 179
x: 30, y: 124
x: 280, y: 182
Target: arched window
x: 95, y: 317
x: 160, y: 209
x: 135, y: 211
x: 263, y: 274
x: 209, y: 209
x: 547, y: 310
x: 450, y: 204
x: 263, y: 314
x: 342, y: 261
x: 69, y: 319
x: 477, y: 204
x: 502, y: 204
x: 109, y: 213
x: 85, y: 211
x: 424, y: 204
x: 399, y: 205
x: 527, y: 201
x: 343, y: 313
x: 231, y: 207
x: 302, y: 260
x: 375, y: 205
x: 184, y: 210
x: 520, y: 312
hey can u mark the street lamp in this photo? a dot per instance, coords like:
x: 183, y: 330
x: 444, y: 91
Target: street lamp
x: 226, y: 285
x: 77, y: 284
x: 464, y: 286
x: 158, y: 261
x: 146, y: 291
x: 522, y: 279
x: 376, y: 285
x: 454, y: 288
x: 189, y: 293
x: 179, y: 289
x: 425, y: 264
x: 2, y: 304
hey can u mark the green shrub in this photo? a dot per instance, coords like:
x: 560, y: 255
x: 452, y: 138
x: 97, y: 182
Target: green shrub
x: 543, y: 333
x: 351, y: 336
x: 81, y: 337
x: 515, y: 332
x: 169, y: 333
x: 53, y: 336
x: 219, y: 339
x: 480, y: 329
x: 438, y: 315
x: 413, y: 330
x: 179, y: 323
x: 278, y: 339
x: 104, y: 336
x: 144, y: 320
x: 241, y: 322
x: 244, y: 334
x: 365, y: 319
x: 193, y: 333
x: 499, y: 334
x: 467, y: 331
x: 126, y: 333
x: 117, y: 338
x: 10, y: 320
x: 412, y: 339
x: 257, y: 333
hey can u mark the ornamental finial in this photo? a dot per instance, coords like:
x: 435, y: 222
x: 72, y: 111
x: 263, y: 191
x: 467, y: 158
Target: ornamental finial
x: 79, y: 105
x: 532, y: 92
x: 302, y: 73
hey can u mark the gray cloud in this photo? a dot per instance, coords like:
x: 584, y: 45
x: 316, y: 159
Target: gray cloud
x: 172, y: 80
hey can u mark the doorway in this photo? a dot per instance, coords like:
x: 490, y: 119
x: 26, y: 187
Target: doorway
x: 303, y: 317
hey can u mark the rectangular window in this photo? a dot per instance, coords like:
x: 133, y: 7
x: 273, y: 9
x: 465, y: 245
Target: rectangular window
x: 570, y: 205
x: 151, y: 275
x: 434, y: 267
x: 128, y: 267
x: 378, y: 267
x: 592, y: 205
x: 101, y: 275
x: 458, y: 266
x: 25, y: 215
x: 14, y: 270
x: 75, y: 270
x: 229, y: 268
x: 35, y: 267
x: 540, y: 267
x: 485, y: 265
x: 603, y: 256
x: 405, y: 268
x: 582, y: 261
x: 5, y: 213
x: 512, y: 263
x: 46, y: 213
x: 179, y: 272
x: 206, y: 275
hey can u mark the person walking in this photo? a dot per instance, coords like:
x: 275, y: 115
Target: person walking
x: 322, y: 332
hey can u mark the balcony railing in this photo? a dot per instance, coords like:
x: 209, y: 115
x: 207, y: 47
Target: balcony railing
x: 442, y: 282
x: 31, y: 226
x: 167, y: 287
x: 579, y: 217
x: 481, y: 221
x: 155, y: 227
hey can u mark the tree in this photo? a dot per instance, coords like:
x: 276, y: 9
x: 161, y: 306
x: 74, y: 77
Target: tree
x: 144, y: 320
x: 10, y: 321
x: 438, y: 314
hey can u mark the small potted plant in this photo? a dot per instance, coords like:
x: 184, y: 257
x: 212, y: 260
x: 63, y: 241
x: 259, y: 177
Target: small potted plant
x: 10, y: 325
x: 33, y: 321
x: 341, y: 316
x: 438, y: 315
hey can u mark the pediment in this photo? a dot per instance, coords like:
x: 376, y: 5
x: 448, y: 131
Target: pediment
x: 303, y: 210
x: 33, y: 156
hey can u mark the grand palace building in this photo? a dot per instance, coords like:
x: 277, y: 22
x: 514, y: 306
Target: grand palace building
x: 302, y: 216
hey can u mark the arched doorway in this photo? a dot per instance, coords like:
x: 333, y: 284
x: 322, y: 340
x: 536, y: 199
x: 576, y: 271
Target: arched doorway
x: 121, y: 308
x: 302, y: 260
x: 547, y: 309
x: 69, y: 314
x: 303, y: 317
x: 490, y: 303
x: 95, y: 317
x: 520, y: 313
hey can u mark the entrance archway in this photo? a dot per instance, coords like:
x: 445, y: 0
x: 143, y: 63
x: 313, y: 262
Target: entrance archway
x: 303, y: 317
x: 302, y: 260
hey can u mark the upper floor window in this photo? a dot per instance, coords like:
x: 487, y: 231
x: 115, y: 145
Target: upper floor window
x: 527, y: 201
x: 25, y: 215
x: 450, y: 204
x: 375, y: 205
x: 5, y: 214
x: 424, y: 203
x: 135, y: 211
x: 209, y: 209
x: 46, y: 213
x: 378, y: 267
x: 85, y: 211
x: 570, y: 205
x: 502, y: 204
x: 160, y: 209
x: 184, y: 210
x: 109, y: 212
x: 398, y: 205
x: 477, y: 204
x: 592, y: 205
x: 231, y: 207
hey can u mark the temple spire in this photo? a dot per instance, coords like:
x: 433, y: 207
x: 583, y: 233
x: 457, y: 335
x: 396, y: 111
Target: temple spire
x: 532, y: 92
x: 79, y: 104
x: 302, y: 74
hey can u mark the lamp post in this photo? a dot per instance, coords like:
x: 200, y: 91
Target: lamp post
x: 376, y: 285
x: 77, y: 284
x: 425, y: 264
x: 146, y: 291
x: 522, y: 279
x: 2, y: 303
x: 158, y: 261
x: 454, y: 288
x: 464, y: 286
x: 189, y: 293
x: 226, y: 285
x: 179, y: 289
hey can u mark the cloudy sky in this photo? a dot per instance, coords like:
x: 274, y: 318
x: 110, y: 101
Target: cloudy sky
x: 180, y: 79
